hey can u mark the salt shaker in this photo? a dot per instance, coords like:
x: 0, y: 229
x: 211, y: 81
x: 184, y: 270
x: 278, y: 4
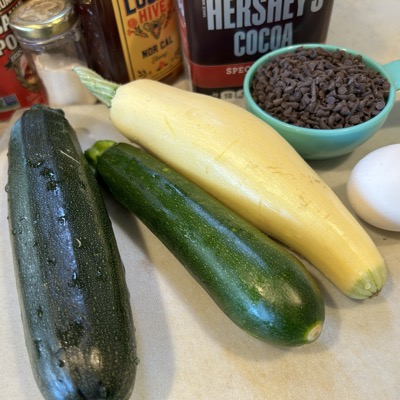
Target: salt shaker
x: 49, y: 33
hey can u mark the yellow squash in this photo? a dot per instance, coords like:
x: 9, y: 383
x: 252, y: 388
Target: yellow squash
x: 248, y: 166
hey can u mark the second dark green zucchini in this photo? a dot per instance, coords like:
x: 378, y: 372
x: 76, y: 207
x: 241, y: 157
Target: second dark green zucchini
x: 260, y: 286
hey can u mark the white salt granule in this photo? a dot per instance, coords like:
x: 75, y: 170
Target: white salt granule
x: 62, y: 84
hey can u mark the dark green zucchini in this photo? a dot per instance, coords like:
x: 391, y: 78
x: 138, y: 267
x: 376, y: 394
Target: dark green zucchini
x: 263, y: 288
x: 70, y: 277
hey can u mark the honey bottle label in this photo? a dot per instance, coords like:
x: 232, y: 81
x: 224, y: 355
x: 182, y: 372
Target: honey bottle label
x: 149, y: 36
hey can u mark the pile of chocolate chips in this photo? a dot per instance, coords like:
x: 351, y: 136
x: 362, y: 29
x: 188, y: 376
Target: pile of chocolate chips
x: 320, y: 89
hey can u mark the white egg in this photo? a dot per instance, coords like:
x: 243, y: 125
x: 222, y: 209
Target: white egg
x: 373, y: 188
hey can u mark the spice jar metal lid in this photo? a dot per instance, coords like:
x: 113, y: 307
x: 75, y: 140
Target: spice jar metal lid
x: 42, y: 19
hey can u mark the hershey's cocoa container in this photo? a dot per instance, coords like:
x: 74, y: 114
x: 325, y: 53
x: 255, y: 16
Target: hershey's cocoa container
x: 20, y: 85
x: 134, y: 39
x: 221, y: 39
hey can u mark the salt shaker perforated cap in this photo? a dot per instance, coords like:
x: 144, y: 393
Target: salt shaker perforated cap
x: 41, y: 19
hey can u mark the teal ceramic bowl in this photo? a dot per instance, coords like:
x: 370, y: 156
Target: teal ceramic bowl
x: 318, y: 144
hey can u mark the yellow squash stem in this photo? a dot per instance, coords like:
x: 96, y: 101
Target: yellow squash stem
x: 247, y: 165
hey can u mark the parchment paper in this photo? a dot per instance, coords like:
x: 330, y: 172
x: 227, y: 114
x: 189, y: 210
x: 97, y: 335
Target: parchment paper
x: 188, y: 349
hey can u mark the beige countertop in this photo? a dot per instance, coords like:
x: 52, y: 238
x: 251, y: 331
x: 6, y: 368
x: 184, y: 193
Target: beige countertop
x: 188, y: 349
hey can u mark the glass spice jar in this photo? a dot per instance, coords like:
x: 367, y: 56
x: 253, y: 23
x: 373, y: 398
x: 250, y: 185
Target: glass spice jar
x: 49, y: 32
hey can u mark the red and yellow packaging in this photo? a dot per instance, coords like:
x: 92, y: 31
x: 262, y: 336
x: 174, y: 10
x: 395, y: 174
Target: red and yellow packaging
x: 19, y: 85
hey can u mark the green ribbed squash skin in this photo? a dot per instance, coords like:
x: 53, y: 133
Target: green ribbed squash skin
x: 71, y: 281
x: 260, y: 286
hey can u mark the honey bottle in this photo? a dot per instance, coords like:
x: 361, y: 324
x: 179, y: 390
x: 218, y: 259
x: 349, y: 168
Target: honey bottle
x: 129, y: 40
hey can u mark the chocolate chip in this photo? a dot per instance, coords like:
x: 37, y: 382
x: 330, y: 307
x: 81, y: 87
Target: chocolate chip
x: 380, y: 105
x: 330, y: 99
x: 321, y: 89
x: 355, y: 120
x: 342, y: 89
